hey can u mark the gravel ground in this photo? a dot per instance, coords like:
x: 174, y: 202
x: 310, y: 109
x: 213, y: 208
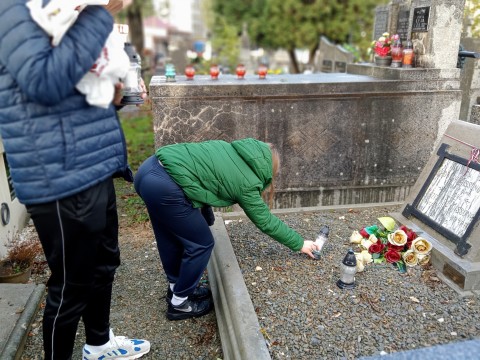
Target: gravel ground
x: 138, y: 307
x: 304, y: 315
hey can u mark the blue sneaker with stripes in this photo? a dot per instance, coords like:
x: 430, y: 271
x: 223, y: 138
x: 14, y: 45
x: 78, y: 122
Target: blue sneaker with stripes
x: 118, y: 347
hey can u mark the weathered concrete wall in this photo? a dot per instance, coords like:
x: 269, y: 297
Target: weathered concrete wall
x: 343, y: 138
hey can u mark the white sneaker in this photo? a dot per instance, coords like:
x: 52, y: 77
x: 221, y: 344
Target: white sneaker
x: 119, y: 347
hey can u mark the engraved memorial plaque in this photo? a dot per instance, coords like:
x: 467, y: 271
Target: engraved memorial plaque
x: 449, y: 201
x: 402, y: 24
x: 420, y: 19
x: 340, y: 66
x: 327, y: 66
x: 453, y: 197
x: 381, y: 22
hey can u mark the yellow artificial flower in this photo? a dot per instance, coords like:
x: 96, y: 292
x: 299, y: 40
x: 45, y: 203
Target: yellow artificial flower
x: 421, y: 246
x: 410, y: 258
x: 398, y: 238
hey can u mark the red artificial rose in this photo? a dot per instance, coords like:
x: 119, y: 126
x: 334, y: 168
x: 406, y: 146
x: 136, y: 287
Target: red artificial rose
x: 382, y: 51
x: 397, y: 248
x: 364, y: 233
x: 392, y: 256
x: 411, y: 235
x: 376, y: 248
x: 409, y: 244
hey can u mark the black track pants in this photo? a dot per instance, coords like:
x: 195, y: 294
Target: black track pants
x: 79, y: 235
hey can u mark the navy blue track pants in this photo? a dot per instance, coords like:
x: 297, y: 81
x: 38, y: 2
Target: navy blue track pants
x: 183, y: 237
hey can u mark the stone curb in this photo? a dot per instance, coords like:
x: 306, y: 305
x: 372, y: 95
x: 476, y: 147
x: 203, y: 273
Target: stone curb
x: 16, y: 341
x: 237, y: 321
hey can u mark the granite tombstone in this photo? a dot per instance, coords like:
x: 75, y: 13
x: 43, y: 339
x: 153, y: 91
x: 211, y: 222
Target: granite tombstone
x: 444, y: 206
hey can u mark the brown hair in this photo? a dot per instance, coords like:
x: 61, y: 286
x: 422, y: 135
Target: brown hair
x: 269, y: 192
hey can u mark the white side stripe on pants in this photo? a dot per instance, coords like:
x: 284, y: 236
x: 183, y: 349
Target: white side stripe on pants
x: 64, y: 276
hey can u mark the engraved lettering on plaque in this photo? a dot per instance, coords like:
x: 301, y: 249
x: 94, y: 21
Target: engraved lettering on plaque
x: 420, y: 19
x: 452, y: 198
x: 402, y: 24
x: 381, y: 23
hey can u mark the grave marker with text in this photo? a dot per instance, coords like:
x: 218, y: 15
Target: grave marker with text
x: 444, y: 206
x: 420, y: 19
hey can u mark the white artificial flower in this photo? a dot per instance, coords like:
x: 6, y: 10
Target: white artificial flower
x: 366, y: 257
x: 356, y: 237
x: 360, y: 264
x: 423, y: 259
x: 366, y: 243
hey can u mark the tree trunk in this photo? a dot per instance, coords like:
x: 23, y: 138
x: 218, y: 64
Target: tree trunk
x: 312, y: 53
x: 135, y: 24
x: 293, y: 61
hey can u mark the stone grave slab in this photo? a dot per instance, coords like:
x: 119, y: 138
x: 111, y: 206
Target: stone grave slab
x: 444, y: 206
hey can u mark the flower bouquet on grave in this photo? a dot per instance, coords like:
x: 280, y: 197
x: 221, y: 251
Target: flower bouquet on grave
x: 382, y: 46
x: 388, y: 243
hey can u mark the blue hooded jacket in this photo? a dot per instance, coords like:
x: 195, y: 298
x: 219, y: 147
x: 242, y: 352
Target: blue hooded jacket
x: 56, y: 143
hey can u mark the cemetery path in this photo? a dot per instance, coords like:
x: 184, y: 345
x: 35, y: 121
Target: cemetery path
x: 138, y: 306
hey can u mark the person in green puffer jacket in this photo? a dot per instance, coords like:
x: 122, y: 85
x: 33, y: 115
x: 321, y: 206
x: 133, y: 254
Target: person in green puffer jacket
x: 182, y: 178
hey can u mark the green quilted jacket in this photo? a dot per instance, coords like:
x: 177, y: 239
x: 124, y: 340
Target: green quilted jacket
x: 219, y: 174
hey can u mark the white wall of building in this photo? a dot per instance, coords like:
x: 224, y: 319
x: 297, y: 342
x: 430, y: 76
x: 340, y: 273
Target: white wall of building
x: 179, y: 13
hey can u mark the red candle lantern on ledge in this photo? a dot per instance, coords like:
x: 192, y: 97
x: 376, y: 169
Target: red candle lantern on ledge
x: 396, y: 51
x: 262, y: 71
x: 189, y: 72
x: 240, y: 71
x: 214, y: 72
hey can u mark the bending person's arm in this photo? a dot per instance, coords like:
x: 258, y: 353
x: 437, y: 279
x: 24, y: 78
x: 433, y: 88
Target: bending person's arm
x: 259, y: 213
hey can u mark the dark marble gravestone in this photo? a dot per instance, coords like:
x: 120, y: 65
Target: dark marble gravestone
x: 402, y: 24
x: 381, y: 21
x: 444, y: 206
x: 420, y: 19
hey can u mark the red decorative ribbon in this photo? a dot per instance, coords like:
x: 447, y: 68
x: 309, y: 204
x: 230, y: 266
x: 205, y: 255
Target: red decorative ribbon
x: 474, y: 153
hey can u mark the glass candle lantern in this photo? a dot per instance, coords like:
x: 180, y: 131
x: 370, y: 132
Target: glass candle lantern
x: 348, y: 270
x: 262, y: 71
x: 214, y: 72
x: 132, y: 89
x: 240, y: 71
x: 170, y: 73
x: 320, y: 241
x: 189, y: 72
x: 408, y: 55
x: 397, y: 54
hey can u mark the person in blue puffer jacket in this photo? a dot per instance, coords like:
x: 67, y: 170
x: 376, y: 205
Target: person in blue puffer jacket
x: 62, y: 154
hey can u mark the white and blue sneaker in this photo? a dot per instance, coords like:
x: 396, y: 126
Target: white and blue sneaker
x: 118, y: 347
